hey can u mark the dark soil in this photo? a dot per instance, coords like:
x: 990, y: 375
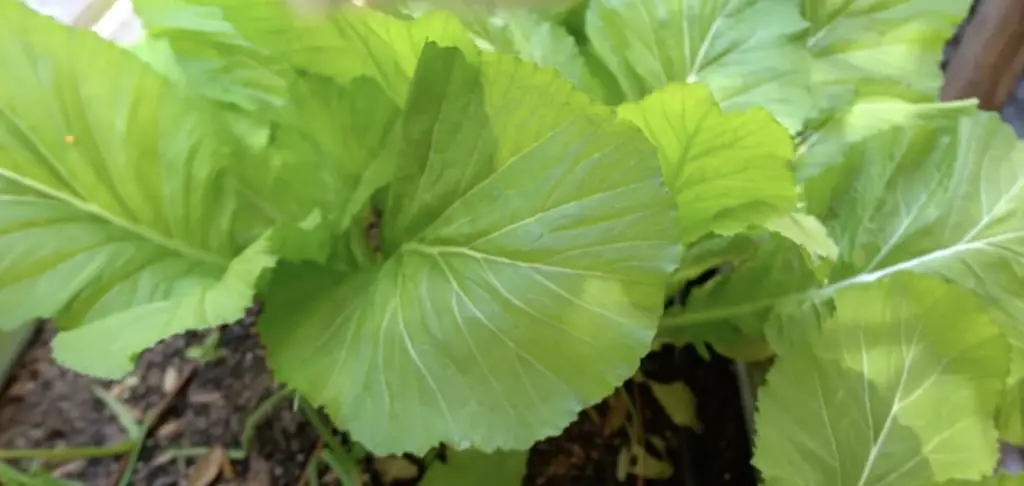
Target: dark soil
x: 718, y: 455
x: 46, y: 406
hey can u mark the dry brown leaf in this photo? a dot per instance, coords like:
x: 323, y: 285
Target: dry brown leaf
x: 70, y: 469
x: 206, y: 470
x: 622, y: 465
x: 171, y: 380
x: 170, y: 429
x: 205, y: 397
x: 636, y: 461
x: 618, y: 412
x: 678, y: 402
x: 227, y: 470
x: 121, y: 388
x: 395, y: 468
x: 658, y: 443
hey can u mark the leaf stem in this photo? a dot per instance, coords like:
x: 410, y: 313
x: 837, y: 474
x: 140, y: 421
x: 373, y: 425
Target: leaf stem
x: 132, y: 460
x: 140, y: 231
x: 360, y: 246
x: 260, y: 415
x: 336, y: 456
x: 63, y: 454
x: 322, y: 429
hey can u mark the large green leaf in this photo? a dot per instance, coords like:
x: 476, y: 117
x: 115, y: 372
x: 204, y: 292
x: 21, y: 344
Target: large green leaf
x: 900, y: 389
x: 942, y: 198
x: 473, y: 468
x: 114, y: 217
x: 748, y: 51
x: 878, y: 47
x: 528, y: 244
x: 728, y: 170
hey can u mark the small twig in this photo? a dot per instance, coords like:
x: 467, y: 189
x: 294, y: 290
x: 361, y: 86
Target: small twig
x: 310, y: 470
x: 153, y: 420
x: 156, y: 417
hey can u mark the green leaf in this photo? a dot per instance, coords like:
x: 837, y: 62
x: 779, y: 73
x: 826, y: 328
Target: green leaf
x: 346, y: 43
x: 472, y: 468
x: 377, y: 45
x: 944, y: 198
x: 878, y: 47
x: 194, y: 46
x: 487, y: 328
x: 728, y: 170
x: 532, y: 37
x: 211, y: 55
x: 1010, y: 419
x: 741, y: 305
x: 13, y: 477
x: 203, y: 301
x: 746, y: 51
x: 331, y: 151
x: 114, y: 214
x: 806, y: 231
x: 823, y: 147
x: 901, y: 388
x: 1000, y: 479
x: 678, y: 402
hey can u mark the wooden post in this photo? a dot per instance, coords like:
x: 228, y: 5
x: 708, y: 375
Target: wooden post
x: 990, y: 59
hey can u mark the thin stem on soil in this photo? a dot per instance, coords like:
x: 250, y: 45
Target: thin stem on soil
x: 325, y: 431
x: 194, y: 452
x: 260, y: 415
x: 152, y: 421
x: 69, y: 453
x: 131, y: 461
x: 335, y: 455
x: 311, y: 473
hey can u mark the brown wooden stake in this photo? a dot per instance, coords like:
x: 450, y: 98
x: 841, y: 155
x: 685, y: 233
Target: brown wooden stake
x: 990, y: 59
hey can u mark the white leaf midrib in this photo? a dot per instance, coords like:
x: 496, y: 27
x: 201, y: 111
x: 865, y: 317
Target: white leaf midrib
x: 983, y: 244
x: 99, y: 213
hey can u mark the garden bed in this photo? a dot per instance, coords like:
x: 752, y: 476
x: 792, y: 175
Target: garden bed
x: 47, y: 406
x: 682, y: 419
